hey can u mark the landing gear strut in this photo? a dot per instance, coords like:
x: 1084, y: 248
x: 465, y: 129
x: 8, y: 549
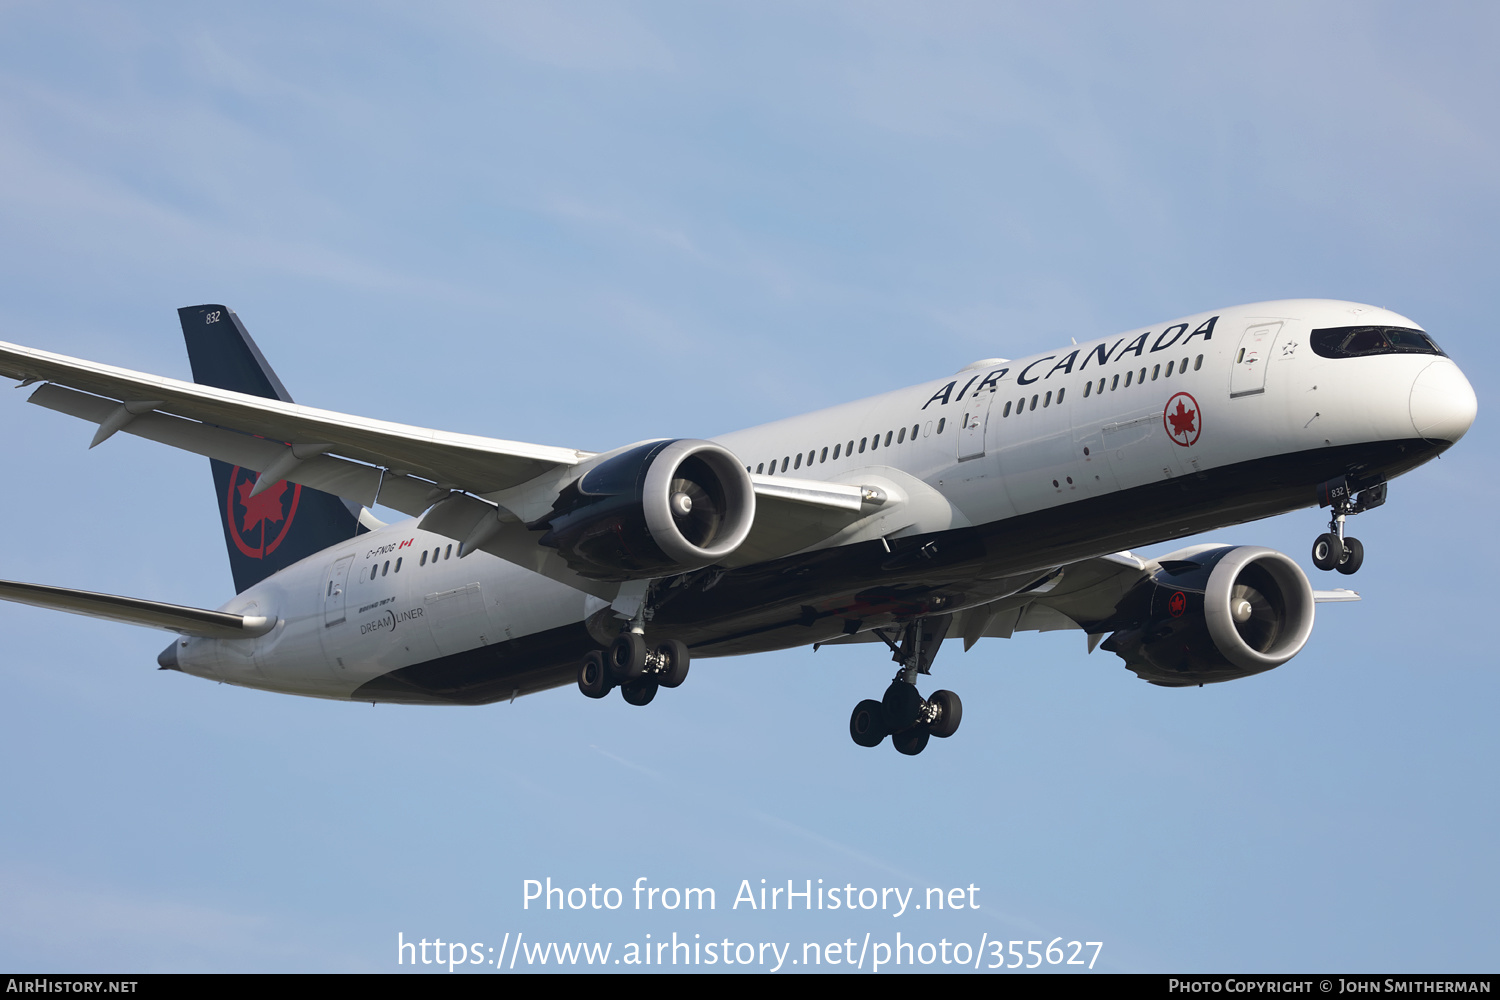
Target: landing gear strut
x: 1332, y: 549
x: 902, y: 713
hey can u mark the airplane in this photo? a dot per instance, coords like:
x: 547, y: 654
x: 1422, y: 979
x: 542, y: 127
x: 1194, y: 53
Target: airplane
x: 1003, y: 497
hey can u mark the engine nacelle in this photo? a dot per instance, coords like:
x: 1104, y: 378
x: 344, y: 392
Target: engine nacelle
x: 1221, y: 614
x: 654, y: 509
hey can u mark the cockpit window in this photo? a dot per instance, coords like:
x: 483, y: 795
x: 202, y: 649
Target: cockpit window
x: 1366, y: 341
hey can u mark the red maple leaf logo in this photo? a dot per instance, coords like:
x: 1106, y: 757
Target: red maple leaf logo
x: 263, y: 508
x: 1182, y: 420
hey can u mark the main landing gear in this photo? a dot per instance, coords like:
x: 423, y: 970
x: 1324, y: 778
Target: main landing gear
x: 902, y: 713
x: 634, y: 667
x: 1332, y: 549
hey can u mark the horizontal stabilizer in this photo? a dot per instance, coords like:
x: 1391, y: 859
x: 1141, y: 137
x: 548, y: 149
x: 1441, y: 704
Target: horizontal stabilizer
x: 135, y: 611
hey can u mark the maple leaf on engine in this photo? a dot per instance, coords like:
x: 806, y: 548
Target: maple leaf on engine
x: 1182, y: 420
x: 265, y: 507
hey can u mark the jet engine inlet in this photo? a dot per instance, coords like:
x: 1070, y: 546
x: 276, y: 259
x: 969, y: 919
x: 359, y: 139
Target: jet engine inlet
x: 698, y: 501
x: 1259, y: 608
x: 652, y: 510
x: 1214, y: 615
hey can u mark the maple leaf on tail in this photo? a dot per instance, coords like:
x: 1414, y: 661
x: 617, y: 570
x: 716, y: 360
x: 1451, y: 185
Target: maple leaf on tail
x: 265, y: 507
x: 1182, y: 420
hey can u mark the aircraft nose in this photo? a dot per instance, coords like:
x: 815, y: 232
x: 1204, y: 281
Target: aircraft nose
x: 1443, y: 405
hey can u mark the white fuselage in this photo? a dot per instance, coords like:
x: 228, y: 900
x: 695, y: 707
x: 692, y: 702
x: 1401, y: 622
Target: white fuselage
x: 999, y: 440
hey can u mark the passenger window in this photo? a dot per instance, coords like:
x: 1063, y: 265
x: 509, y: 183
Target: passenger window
x: 1088, y: 387
x: 1182, y: 367
x: 798, y: 464
x: 1128, y: 377
x: 784, y: 461
x: 760, y: 468
x: 849, y: 448
x: 1007, y: 409
x: 448, y: 552
x: 1048, y: 400
x: 373, y: 571
x: 1033, y: 401
x: 875, y: 442
x: 901, y: 438
x: 862, y: 446
x: 423, y: 561
x: 941, y: 424
x: 1115, y: 384
x: 1154, y: 372
x: 398, y: 565
x: 1170, y: 365
x: 812, y: 455
x: 1199, y: 363
x: 887, y: 439
x: 1143, y: 376
x: 836, y: 449
x: 914, y: 428
x: 823, y: 457
x: 1060, y: 394
x: 386, y: 568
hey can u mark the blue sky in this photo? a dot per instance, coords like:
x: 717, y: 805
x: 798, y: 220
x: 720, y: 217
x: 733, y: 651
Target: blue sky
x: 588, y: 224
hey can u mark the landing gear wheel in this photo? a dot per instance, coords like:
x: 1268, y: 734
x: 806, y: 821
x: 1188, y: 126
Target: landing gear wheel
x: 950, y: 712
x: 640, y: 691
x: 1327, y: 553
x: 593, y: 675
x: 1354, y: 557
x: 674, y: 654
x: 627, y: 658
x: 867, y: 725
x: 903, y: 706
x: 911, y: 742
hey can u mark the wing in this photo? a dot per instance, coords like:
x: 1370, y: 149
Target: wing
x: 1084, y: 594
x: 1057, y: 599
x: 1070, y: 597
x: 402, y: 466
x: 479, y: 491
x: 135, y: 611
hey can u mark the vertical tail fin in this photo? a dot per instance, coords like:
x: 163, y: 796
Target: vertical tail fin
x: 270, y: 531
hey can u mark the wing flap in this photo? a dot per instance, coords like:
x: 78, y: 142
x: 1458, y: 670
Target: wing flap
x: 135, y: 611
x: 477, y: 525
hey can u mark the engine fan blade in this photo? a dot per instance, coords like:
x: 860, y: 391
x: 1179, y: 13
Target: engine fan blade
x: 694, y: 511
x: 1255, y: 617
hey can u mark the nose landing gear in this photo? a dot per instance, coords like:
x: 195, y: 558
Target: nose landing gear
x: 1332, y: 549
x: 902, y: 713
